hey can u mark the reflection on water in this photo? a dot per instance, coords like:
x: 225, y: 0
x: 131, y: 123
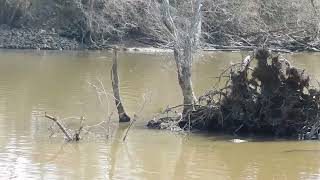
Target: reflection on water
x: 32, y: 82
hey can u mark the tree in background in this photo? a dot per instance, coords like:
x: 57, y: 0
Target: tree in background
x: 12, y: 10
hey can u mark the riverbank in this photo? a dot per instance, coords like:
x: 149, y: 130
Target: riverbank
x: 28, y: 38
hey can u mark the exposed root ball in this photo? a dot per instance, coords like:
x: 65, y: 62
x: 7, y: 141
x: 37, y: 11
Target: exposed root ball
x: 275, y: 99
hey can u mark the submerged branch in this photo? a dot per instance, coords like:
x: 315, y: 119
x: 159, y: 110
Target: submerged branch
x: 61, y: 126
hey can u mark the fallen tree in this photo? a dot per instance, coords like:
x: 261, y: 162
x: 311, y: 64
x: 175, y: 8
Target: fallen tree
x: 274, y: 98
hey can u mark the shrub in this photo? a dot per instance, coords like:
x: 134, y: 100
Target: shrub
x: 11, y: 11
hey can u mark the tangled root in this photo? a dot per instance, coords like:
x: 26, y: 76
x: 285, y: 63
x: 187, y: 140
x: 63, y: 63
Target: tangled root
x: 274, y: 98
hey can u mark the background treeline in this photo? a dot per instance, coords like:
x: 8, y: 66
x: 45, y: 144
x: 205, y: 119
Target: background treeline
x: 285, y: 23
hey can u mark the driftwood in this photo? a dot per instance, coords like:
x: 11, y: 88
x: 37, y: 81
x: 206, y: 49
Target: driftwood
x: 274, y: 98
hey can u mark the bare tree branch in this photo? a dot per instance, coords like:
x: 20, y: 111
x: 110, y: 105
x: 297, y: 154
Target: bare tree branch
x: 61, y: 126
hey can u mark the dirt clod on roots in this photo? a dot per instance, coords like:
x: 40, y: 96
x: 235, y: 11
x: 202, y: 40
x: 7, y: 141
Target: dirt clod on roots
x: 274, y: 98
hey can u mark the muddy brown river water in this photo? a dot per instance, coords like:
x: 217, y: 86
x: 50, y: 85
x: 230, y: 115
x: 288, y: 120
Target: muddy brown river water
x: 34, y: 82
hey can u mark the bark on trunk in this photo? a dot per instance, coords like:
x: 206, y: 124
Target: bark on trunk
x: 123, y: 117
x: 185, y: 82
x: 187, y: 91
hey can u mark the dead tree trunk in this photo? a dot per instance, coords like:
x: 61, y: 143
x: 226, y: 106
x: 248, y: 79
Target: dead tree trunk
x: 185, y: 42
x: 123, y: 117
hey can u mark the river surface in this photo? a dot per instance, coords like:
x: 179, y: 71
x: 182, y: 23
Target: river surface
x: 62, y: 84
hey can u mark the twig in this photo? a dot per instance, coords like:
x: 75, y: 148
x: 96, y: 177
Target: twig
x: 168, y: 109
x: 77, y: 134
x: 135, y: 117
x: 127, y: 131
x: 61, y: 126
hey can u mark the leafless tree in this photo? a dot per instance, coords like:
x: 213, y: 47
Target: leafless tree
x: 186, y: 40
